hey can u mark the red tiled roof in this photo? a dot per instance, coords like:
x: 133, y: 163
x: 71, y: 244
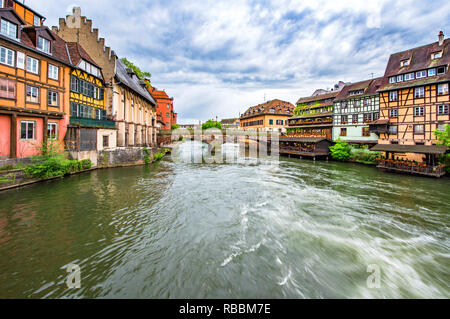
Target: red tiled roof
x: 370, y: 87
x: 280, y: 108
x: 77, y: 53
x: 420, y: 59
x: 157, y: 94
x: 321, y: 97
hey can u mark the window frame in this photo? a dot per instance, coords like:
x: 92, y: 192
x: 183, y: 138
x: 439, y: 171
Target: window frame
x: 391, y: 132
x: 419, y: 74
x: 343, y: 131
x: 27, y: 123
x: 396, y: 96
x: 49, y: 125
x: 42, y: 49
x: 421, y: 112
x: 444, y: 110
x: 38, y: 94
x: 393, y: 116
x: 419, y: 125
x: 49, y: 93
x: 32, y: 60
x: 365, y: 131
x: 57, y: 72
x: 420, y: 89
x: 7, y: 51
x: 8, y: 83
x: 8, y: 25
x: 443, y: 92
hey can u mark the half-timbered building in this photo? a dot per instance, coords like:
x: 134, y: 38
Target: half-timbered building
x: 414, y: 102
x: 34, y: 82
x: 355, y: 107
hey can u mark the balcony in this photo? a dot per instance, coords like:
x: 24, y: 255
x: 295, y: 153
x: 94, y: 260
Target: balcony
x: 85, y: 122
x: 412, y: 167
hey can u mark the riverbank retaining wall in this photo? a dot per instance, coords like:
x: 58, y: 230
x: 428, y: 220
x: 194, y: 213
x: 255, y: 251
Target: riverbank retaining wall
x: 123, y: 156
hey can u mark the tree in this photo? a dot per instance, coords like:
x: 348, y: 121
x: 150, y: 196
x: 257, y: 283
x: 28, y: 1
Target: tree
x: 444, y: 136
x: 341, y: 151
x: 444, y: 139
x: 211, y: 124
x: 141, y: 74
x: 174, y: 127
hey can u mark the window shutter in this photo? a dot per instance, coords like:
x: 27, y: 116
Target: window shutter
x: 20, y: 60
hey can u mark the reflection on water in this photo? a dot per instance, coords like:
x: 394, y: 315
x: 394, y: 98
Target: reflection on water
x: 302, y: 229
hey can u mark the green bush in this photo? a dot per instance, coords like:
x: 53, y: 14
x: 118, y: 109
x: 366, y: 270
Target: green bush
x: 174, y: 127
x: 158, y: 156
x: 364, y: 156
x: 211, y: 124
x: 341, y: 151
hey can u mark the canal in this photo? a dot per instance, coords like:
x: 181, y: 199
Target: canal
x: 300, y: 229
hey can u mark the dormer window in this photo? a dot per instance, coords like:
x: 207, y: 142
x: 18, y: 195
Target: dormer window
x: 399, y: 78
x: 392, y: 80
x: 36, y: 21
x: 421, y: 74
x: 409, y: 76
x: 404, y: 63
x: 436, y: 55
x: 44, y: 45
x: 441, y: 70
x: 9, y: 29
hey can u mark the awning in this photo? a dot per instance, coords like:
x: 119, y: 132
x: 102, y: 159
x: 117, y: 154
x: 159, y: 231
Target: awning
x: 420, y: 149
x: 380, y: 122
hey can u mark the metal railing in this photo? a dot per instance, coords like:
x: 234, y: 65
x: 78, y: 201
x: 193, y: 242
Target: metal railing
x: 412, y: 168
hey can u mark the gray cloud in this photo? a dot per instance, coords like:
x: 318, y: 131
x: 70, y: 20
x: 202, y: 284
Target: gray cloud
x: 219, y: 57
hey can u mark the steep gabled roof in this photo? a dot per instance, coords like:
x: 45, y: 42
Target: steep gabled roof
x: 420, y: 59
x: 370, y: 87
x: 132, y: 82
x: 77, y: 53
x: 279, y: 108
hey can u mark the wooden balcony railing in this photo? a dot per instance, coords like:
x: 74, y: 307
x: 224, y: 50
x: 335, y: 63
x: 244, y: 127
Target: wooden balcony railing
x: 412, y: 168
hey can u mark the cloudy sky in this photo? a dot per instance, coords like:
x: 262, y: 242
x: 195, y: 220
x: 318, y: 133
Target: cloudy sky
x: 217, y: 58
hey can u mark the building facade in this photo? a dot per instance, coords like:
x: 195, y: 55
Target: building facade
x: 230, y: 123
x: 34, y: 82
x: 414, y: 102
x: 127, y: 100
x: 271, y: 116
x: 356, y: 106
x: 164, y: 107
x: 89, y: 130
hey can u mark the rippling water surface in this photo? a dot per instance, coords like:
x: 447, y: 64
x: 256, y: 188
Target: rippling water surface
x: 301, y: 229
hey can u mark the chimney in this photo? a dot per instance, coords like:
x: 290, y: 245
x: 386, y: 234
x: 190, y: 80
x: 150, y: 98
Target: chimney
x: 441, y: 38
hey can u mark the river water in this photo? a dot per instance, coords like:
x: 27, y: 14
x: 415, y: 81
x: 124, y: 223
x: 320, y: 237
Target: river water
x: 299, y: 229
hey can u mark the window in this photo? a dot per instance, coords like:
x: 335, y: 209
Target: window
x: 365, y: 131
x: 409, y: 76
x: 393, y: 96
x: 421, y: 74
x: 344, y: 105
x: 419, y: 92
x: 367, y: 102
x: 357, y: 103
x: 441, y: 70
x: 399, y: 78
x: 419, y: 111
x: 32, y: 65
x: 358, y: 92
x: 442, y: 89
x: 53, y: 98
x: 442, y: 109
x: 7, y: 56
x: 344, y: 119
x: 74, y: 110
x: 105, y: 141
x: 393, y: 113
x: 375, y: 116
x: 367, y: 117
x: 44, y: 45
x: 9, y: 29
x: 392, y: 79
x: 343, y: 131
x: 419, y: 129
x: 20, y: 60
x: 74, y: 84
x: 431, y: 72
x: 441, y: 127
x: 52, y: 131
x: 53, y: 72
x: 32, y: 94
x: 393, y: 129
x: 436, y: 55
x: 7, y: 88
x: 27, y: 130
x: 355, y: 118
x: 37, y: 21
x: 404, y: 63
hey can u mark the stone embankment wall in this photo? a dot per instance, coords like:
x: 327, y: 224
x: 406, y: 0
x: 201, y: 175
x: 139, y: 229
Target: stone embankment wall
x: 123, y: 156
